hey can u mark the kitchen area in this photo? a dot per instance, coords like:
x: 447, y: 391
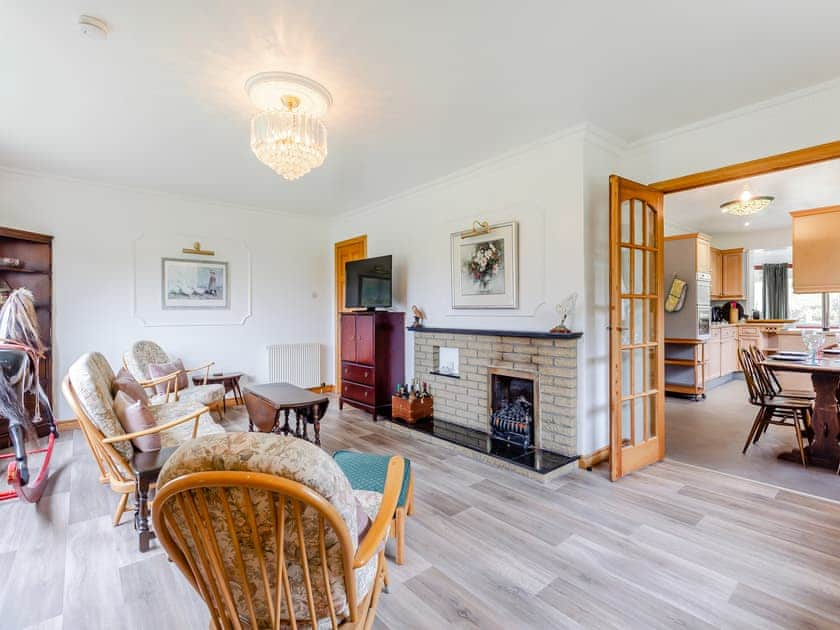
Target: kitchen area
x: 761, y: 276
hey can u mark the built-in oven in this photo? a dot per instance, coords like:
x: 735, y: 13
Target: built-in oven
x: 704, y: 289
x: 704, y: 321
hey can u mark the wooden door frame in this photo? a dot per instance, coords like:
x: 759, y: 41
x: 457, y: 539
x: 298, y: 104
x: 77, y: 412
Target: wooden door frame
x: 338, y: 286
x: 740, y: 170
x: 751, y: 168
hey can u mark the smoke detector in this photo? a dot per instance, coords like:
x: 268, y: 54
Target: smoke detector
x: 93, y: 28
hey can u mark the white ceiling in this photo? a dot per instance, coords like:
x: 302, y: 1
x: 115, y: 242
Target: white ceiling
x: 698, y: 210
x: 420, y: 88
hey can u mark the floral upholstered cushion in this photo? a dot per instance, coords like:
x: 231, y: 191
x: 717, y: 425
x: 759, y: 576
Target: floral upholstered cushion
x: 92, y: 379
x: 202, y: 394
x: 179, y: 434
x: 289, y: 458
x: 141, y: 354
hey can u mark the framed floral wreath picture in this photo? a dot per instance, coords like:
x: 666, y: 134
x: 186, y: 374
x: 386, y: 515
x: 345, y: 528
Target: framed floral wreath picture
x: 484, y: 267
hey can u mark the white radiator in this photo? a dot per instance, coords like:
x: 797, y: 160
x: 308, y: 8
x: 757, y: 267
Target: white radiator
x: 295, y: 363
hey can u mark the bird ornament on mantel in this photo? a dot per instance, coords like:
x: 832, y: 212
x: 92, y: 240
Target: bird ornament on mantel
x: 564, y: 309
x: 419, y: 316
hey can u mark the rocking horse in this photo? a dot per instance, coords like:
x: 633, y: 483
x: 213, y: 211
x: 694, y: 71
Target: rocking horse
x: 21, y: 351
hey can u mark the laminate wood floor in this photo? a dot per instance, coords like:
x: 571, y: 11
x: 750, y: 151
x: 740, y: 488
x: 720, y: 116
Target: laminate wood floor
x: 711, y: 433
x: 671, y: 546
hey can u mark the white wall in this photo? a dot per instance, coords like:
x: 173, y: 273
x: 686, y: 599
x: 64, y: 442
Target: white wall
x: 601, y: 159
x: 794, y: 121
x: 95, y: 227
x: 540, y: 186
x: 748, y: 239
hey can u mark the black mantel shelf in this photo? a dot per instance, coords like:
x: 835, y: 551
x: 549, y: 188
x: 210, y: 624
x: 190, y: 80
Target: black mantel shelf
x: 496, y: 333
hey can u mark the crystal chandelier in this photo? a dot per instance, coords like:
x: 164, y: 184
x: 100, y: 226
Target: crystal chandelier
x: 288, y: 135
x: 746, y: 204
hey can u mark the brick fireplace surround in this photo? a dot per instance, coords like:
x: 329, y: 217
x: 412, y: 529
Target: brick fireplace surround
x: 550, y: 358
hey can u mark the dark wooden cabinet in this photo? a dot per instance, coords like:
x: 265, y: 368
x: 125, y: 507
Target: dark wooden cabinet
x: 372, y: 360
x: 34, y: 272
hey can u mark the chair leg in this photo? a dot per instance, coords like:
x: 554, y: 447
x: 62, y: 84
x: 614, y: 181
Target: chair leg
x: 120, y: 508
x: 409, y: 500
x: 399, y: 517
x: 798, y: 429
x: 758, y: 418
x: 768, y: 414
x: 385, y: 578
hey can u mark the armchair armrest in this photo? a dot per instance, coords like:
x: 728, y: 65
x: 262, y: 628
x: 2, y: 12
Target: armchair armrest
x: 171, y: 381
x: 206, y: 367
x: 161, y: 427
x: 378, y: 530
x: 160, y: 379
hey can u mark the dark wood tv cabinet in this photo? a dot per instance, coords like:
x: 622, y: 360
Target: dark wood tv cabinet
x: 372, y: 360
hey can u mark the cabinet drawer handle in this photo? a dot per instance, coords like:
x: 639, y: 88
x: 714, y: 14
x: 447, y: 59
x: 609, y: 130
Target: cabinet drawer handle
x: 366, y: 394
x: 366, y: 373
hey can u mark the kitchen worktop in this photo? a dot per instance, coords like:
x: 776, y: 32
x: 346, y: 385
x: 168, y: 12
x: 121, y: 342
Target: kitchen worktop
x: 754, y: 322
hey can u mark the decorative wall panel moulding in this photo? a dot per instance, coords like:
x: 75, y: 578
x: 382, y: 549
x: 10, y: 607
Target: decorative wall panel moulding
x: 148, y: 294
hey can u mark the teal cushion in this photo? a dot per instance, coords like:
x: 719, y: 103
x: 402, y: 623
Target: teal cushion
x: 367, y: 471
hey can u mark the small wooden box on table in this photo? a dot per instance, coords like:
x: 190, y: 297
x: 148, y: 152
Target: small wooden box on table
x: 372, y: 359
x: 411, y: 409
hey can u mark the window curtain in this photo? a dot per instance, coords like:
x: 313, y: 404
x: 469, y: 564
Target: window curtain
x: 775, y: 298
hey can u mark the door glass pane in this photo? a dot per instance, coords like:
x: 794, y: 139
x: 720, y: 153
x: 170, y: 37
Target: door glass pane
x: 638, y: 271
x: 651, y: 226
x: 650, y: 369
x: 638, y: 370
x: 651, y: 415
x: 625, y: 373
x: 625, y: 322
x: 625, y: 222
x: 651, y: 273
x: 624, y: 263
x: 638, y: 217
x: 652, y: 305
x: 640, y: 405
x: 625, y: 423
x: 638, y: 321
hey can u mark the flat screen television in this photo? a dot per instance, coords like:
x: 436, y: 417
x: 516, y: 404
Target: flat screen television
x: 367, y: 283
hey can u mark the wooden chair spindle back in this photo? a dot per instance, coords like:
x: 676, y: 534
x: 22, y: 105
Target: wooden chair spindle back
x: 239, y: 558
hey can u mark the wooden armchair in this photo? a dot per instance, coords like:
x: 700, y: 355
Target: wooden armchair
x: 144, y: 353
x: 264, y: 527
x: 114, y: 467
x: 171, y: 380
x: 88, y: 390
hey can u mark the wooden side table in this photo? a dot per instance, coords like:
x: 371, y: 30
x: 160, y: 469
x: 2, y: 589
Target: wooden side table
x: 228, y: 380
x: 146, y: 468
x: 265, y: 403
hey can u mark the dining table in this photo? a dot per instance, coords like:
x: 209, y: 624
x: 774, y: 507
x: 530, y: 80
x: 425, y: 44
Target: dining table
x: 824, y: 450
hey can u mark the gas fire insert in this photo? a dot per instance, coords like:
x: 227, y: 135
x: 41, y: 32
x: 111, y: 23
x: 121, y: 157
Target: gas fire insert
x: 514, y: 407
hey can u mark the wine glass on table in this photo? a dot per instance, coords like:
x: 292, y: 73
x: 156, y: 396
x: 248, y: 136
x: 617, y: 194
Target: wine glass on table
x: 813, y: 338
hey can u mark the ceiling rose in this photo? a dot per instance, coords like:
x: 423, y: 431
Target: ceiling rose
x: 288, y: 135
x: 746, y: 204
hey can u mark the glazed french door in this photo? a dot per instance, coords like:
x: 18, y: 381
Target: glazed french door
x: 637, y: 317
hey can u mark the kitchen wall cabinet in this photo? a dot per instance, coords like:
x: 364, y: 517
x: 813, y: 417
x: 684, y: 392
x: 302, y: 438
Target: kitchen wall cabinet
x: 727, y: 274
x: 717, y: 272
x: 704, y: 254
x: 816, y: 256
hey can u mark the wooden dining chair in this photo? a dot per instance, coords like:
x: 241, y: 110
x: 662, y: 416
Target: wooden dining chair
x: 771, y: 381
x: 773, y: 409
